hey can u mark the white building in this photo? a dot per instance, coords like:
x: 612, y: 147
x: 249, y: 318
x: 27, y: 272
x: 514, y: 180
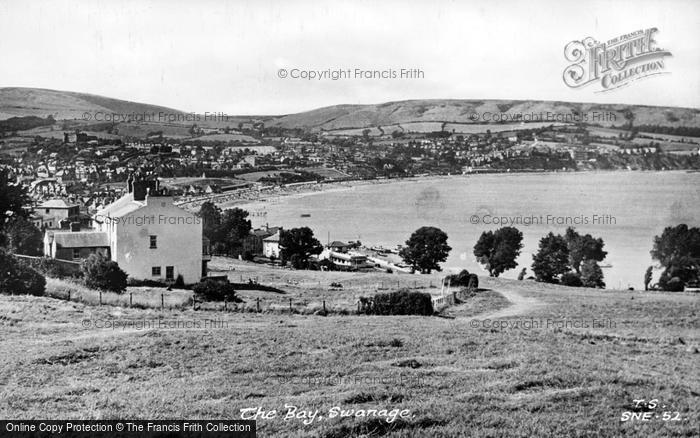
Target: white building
x: 271, y: 245
x: 151, y: 238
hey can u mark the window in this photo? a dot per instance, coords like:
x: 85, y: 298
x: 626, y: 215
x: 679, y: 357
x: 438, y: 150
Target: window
x: 48, y: 211
x: 76, y: 253
x: 154, y: 242
x: 169, y: 272
x: 155, y: 271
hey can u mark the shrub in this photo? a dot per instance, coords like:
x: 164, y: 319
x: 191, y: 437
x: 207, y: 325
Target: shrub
x: 214, y: 290
x: 248, y: 255
x: 179, y: 282
x: 473, y: 281
x: 571, y: 279
x: 461, y: 279
x: 402, y: 302
x: 674, y: 284
x: 101, y: 273
x: 18, y: 278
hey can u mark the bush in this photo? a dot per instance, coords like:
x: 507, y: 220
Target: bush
x: 248, y: 255
x: 101, y: 273
x: 214, y: 290
x: 461, y: 279
x: 402, y: 302
x: 675, y: 284
x: 179, y: 282
x: 18, y: 278
x: 571, y: 279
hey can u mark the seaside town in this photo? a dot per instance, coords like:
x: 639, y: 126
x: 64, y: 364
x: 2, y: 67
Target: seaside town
x: 74, y: 176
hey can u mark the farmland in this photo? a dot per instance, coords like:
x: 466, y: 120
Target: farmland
x: 506, y: 362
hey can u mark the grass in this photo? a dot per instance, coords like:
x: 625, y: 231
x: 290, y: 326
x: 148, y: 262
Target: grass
x: 457, y: 376
x: 143, y: 297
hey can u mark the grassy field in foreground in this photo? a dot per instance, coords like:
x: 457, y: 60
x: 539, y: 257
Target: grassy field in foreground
x: 522, y: 359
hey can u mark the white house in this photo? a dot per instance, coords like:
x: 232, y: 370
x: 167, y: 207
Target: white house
x: 271, y: 245
x: 151, y: 238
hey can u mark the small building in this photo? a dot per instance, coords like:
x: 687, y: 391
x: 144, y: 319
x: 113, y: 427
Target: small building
x: 54, y: 211
x: 75, y: 245
x: 271, y: 245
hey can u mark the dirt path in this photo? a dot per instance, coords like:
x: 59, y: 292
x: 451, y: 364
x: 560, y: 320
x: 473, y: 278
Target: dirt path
x: 520, y: 305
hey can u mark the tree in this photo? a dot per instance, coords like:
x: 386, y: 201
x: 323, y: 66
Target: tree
x: 647, y: 277
x: 678, y: 251
x: 583, y: 248
x: 18, y: 278
x: 234, y: 228
x: 22, y: 237
x: 498, y: 250
x: 297, y: 246
x: 211, y: 216
x: 591, y: 274
x: 101, y: 273
x: 13, y: 198
x: 425, y: 249
x: 552, y: 258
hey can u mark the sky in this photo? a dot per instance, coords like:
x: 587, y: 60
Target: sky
x: 226, y: 56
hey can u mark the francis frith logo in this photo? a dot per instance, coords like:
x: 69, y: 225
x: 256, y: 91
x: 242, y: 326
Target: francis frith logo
x: 615, y: 63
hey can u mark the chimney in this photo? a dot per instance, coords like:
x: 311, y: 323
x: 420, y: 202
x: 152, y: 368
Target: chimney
x: 74, y: 227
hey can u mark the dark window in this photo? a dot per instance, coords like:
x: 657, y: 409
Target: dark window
x: 47, y: 211
x: 154, y: 241
x: 155, y: 271
x: 76, y: 253
x: 169, y: 272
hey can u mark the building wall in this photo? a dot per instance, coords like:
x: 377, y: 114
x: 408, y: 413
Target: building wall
x: 271, y: 249
x: 67, y: 253
x: 178, y: 239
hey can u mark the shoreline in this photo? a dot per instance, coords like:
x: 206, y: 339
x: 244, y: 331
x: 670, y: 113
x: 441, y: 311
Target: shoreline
x: 259, y: 198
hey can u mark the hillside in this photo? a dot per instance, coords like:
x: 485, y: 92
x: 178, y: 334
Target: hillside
x: 525, y: 358
x: 409, y: 115
x: 462, y: 111
x: 66, y: 104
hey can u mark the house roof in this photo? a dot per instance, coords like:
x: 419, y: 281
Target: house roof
x: 274, y: 238
x: 56, y: 203
x: 81, y: 239
x: 121, y: 207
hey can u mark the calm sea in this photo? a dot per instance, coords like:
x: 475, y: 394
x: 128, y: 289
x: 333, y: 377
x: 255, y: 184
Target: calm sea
x: 626, y: 209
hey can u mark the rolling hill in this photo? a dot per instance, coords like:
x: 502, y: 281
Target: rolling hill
x: 390, y: 115
x: 65, y: 104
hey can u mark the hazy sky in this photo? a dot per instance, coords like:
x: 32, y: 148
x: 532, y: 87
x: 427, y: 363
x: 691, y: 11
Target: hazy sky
x: 225, y: 55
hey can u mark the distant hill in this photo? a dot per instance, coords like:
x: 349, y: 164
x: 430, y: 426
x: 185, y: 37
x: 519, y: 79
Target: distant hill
x: 66, y: 104
x: 342, y: 117
x: 432, y: 114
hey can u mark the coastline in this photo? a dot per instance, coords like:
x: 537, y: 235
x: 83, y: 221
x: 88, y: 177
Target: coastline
x: 257, y: 199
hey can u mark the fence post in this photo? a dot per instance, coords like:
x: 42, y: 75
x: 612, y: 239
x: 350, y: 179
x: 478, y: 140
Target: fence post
x: 324, y: 306
x: 257, y: 300
x: 131, y: 299
x: 290, y: 305
x: 100, y: 297
x: 162, y: 302
x: 225, y: 304
x: 68, y: 294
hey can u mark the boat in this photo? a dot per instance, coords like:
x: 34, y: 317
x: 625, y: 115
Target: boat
x: 305, y: 215
x: 605, y: 265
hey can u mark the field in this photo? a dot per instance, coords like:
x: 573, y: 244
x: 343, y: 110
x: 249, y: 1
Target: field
x: 519, y: 359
